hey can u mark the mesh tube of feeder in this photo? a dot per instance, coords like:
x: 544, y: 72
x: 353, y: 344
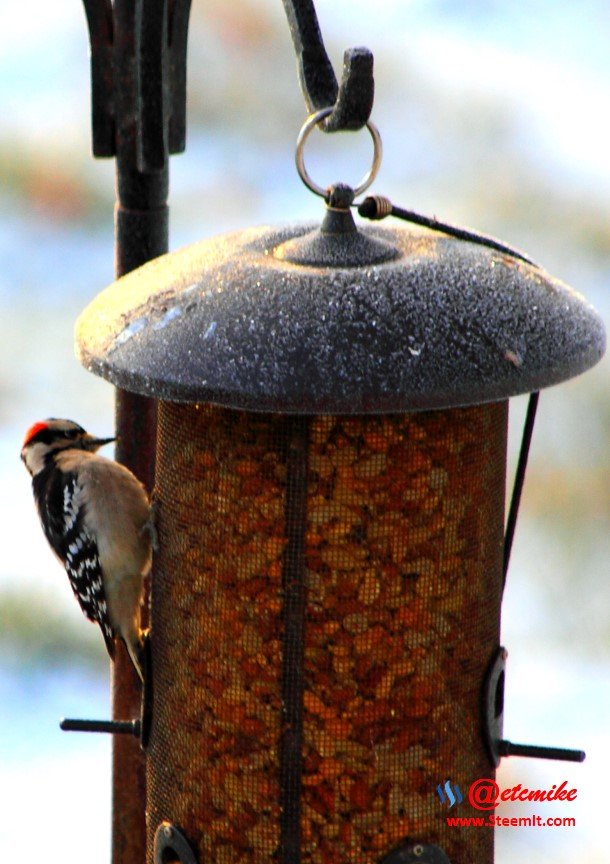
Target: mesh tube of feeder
x: 325, y: 605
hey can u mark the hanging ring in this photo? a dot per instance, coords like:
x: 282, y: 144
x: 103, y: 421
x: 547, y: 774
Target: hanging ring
x: 309, y: 124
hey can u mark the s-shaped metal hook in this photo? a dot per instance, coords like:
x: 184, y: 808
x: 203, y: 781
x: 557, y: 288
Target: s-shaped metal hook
x: 352, y: 99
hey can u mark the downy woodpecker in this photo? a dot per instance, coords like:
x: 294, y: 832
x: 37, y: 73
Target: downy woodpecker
x: 97, y: 518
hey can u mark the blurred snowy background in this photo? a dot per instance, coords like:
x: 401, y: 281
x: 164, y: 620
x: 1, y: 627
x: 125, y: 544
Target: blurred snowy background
x: 494, y: 114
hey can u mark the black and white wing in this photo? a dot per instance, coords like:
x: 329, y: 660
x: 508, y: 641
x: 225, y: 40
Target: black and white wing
x: 85, y: 574
x: 64, y: 527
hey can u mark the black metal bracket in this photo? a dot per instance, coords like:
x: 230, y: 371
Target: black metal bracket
x: 353, y: 97
x: 416, y: 852
x: 143, y: 78
x: 171, y: 846
x: 113, y: 727
x: 493, y: 721
x: 139, y: 728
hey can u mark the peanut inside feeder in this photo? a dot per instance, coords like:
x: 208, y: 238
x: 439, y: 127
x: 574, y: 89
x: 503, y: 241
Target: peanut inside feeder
x: 401, y: 569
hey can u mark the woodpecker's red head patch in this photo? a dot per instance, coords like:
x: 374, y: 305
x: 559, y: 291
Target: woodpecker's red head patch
x: 34, y: 430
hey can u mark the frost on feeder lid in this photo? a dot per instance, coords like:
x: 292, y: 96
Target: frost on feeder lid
x: 422, y: 321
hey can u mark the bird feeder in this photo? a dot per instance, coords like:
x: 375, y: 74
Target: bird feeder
x: 330, y: 491
x: 330, y: 474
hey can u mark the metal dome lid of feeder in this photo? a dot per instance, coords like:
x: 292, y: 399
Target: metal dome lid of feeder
x: 337, y: 320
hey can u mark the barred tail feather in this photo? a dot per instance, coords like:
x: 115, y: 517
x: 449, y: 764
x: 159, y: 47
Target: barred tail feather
x: 135, y: 650
x: 109, y: 640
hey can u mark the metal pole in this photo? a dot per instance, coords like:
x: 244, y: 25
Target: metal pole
x: 141, y: 233
x: 138, y: 72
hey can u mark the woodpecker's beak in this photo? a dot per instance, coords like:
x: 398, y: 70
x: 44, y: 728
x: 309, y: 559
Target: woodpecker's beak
x: 90, y: 442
